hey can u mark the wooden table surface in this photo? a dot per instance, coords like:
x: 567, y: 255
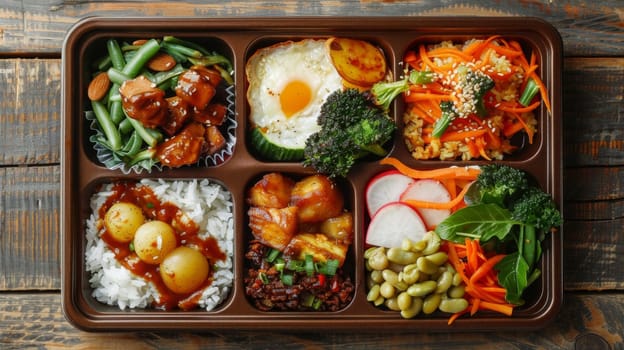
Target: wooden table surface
x: 31, y: 38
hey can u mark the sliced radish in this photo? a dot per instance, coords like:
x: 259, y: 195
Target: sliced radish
x: 392, y: 223
x: 429, y: 190
x: 384, y: 188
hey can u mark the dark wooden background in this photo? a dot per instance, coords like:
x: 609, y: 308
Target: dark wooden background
x: 31, y: 38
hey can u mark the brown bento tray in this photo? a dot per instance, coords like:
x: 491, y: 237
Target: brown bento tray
x: 239, y: 38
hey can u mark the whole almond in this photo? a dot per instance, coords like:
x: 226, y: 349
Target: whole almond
x: 161, y: 62
x: 139, y: 42
x: 98, y: 88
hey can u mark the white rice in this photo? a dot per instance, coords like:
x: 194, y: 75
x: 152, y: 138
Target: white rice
x: 208, y: 204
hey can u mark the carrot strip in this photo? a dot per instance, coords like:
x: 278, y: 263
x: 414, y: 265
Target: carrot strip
x: 449, y: 51
x: 506, y: 309
x: 476, y: 47
x: 423, y: 56
x: 410, y: 56
x: 455, y: 316
x: 475, y: 306
x: 441, y: 173
x: 543, y: 90
x: 529, y: 108
x: 419, y: 96
x: 437, y: 205
x: 509, y: 53
x: 486, y: 267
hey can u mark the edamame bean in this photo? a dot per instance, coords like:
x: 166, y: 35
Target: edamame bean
x: 444, y: 282
x: 373, y: 293
x: 373, y: 250
x: 433, y: 243
x: 392, y: 304
x: 410, y: 274
x: 453, y: 305
x: 422, y: 289
x: 431, y: 303
x: 404, y: 301
x: 456, y: 291
x: 414, y: 308
x: 378, y: 260
x: 379, y: 301
x: 425, y: 265
x: 457, y: 280
x: 438, y: 258
x: 400, y: 256
x: 376, y: 276
x: 386, y: 290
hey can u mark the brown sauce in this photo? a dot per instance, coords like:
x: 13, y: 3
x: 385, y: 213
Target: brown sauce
x: 186, y: 234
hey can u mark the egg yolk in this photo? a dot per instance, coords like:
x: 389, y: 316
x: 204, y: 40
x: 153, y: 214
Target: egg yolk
x: 295, y: 96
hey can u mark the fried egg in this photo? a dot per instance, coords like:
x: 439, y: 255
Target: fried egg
x: 288, y: 84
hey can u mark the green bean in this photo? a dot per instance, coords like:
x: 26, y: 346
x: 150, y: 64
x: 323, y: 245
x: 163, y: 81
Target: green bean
x: 161, y: 77
x: 116, y: 112
x: 125, y: 126
x: 453, y: 305
x: 143, y: 54
x: 115, y: 54
x: 175, y: 40
x: 117, y: 76
x: 103, y: 63
x: 143, y: 155
x: 106, y: 123
x: 143, y: 132
x: 181, y: 49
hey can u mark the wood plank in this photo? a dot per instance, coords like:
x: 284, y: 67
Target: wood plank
x: 592, y: 112
x: 587, y: 27
x: 29, y: 228
x: 593, y: 255
x: 30, y: 126
x: 32, y: 320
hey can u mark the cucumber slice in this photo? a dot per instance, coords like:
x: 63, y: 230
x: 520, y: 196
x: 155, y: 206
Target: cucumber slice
x: 272, y: 151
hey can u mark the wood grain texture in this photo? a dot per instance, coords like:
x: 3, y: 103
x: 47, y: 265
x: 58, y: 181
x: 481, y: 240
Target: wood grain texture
x: 35, y: 26
x: 30, y: 111
x: 29, y: 222
x: 593, y: 111
x: 31, y: 320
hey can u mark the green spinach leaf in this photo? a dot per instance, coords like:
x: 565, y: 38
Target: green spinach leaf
x: 512, y: 274
x: 482, y: 221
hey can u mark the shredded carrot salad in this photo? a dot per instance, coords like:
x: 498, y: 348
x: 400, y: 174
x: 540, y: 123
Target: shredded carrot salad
x: 474, y: 132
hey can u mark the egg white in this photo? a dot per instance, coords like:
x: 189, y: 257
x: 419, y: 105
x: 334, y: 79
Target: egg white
x: 270, y: 70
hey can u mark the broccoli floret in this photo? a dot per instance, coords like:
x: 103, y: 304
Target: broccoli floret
x: 536, y: 208
x: 498, y: 184
x: 385, y: 92
x: 448, y: 114
x: 352, y: 127
x: 476, y: 85
x: 538, y: 214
